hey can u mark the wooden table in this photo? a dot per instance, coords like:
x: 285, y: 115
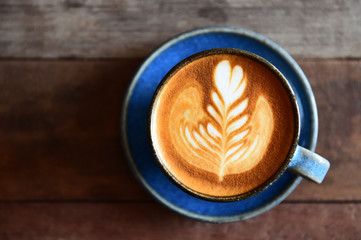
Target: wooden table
x: 64, y: 68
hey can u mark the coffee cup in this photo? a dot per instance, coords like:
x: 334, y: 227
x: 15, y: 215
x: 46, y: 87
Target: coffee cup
x: 224, y: 125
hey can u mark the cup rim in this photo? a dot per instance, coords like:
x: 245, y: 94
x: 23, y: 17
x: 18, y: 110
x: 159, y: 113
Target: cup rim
x: 281, y: 169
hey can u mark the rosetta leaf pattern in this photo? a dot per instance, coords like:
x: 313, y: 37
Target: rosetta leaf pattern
x: 222, y: 141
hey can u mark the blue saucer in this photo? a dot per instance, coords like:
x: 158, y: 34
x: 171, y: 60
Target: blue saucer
x: 135, y: 110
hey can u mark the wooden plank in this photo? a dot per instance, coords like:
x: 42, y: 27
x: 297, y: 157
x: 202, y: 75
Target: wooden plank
x: 153, y: 221
x: 59, y: 131
x: 133, y: 28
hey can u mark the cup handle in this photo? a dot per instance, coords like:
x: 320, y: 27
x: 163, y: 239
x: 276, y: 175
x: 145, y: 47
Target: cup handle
x: 309, y: 165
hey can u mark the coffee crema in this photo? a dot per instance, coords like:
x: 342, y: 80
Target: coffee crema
x: 222, y: 124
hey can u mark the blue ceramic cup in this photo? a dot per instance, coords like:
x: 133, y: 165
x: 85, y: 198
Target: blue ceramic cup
x: 299, y: 160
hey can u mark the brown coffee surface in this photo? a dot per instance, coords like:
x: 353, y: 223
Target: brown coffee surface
x: 222, y: 124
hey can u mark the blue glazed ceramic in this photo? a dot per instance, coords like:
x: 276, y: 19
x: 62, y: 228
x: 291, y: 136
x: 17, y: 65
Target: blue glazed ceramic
x: 136, y: 106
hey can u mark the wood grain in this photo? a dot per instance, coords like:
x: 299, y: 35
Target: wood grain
x: 59, y: 131
x: 153, y: 221
x: 133, y: 28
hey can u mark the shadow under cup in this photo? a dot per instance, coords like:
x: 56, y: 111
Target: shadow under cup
x: 220, y: 141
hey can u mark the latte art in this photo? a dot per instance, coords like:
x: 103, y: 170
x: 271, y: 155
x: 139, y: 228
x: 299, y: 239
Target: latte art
x: 237, y: 141
x: 222, y: 124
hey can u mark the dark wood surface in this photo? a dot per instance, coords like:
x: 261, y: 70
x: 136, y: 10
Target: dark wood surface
x: 132, y: 28
x: 63, y: 174
x: 136, y: 221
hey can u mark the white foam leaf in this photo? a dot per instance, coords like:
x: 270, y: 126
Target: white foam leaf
x: 237, y: 111
x: 228, y: 138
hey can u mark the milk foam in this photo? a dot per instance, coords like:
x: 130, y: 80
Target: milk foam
x: 237, y: 142
x: 218, y: 124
